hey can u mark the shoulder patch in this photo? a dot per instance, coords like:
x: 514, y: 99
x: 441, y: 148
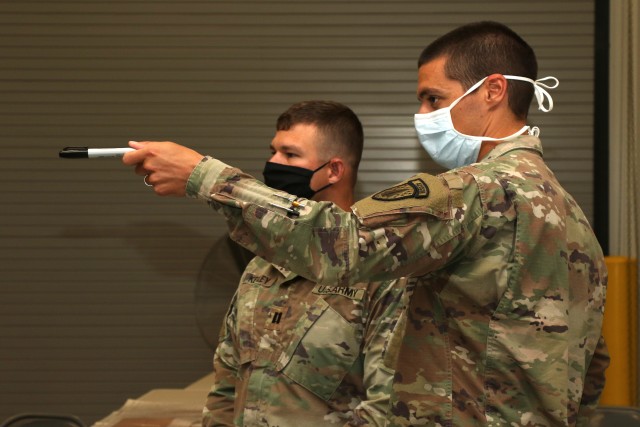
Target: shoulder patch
x: 415, y: 188
x: 428, y: 193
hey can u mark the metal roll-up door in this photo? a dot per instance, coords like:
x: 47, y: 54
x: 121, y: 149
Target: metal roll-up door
x: 97, y: 273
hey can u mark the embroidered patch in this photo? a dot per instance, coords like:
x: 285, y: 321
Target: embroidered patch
x: 422, y: 193
x: 415, y: 188
x: 253, y: 279
x: 351, y: 293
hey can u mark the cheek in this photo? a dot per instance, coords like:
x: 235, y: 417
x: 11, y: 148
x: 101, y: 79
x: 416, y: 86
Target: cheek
x: 318, y: 180
x: 459, y: 119
x: 465, y: 120
x: 314, y: 183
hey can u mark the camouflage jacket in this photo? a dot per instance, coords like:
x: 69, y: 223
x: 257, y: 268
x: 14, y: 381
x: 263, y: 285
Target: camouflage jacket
x: 295, y: 353
x: 505, y: 322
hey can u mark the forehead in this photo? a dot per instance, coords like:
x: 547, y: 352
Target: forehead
x: 432, y: 77
x: 301, y: 136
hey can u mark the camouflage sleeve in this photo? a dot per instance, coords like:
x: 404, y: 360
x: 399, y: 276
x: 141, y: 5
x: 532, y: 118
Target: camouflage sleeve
x: 219, y: 408
x: 409, y: 229
x: 382, y: 336
x: 594, y: 382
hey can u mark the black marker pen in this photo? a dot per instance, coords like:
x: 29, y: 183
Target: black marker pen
x: 92, y: 153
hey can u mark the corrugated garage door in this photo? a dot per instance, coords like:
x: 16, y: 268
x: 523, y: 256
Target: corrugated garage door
x: 98, y: 275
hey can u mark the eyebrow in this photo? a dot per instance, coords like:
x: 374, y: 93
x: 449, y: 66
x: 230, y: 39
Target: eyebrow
x: 285, y: 147
x: 429, y: 91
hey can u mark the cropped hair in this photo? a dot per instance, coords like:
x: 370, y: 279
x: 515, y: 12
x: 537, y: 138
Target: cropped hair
x: 338, y: 125
x: 479, y: 49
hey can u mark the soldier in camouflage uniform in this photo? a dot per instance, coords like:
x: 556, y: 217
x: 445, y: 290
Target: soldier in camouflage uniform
x: 504, y: 326
x: 293, y: 352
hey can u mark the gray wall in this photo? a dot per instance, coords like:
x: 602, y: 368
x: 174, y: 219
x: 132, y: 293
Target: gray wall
x: 97, y: 274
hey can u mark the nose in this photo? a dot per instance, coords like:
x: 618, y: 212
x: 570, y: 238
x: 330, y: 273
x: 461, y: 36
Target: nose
x: 423, y: 108
x: 276, y: 158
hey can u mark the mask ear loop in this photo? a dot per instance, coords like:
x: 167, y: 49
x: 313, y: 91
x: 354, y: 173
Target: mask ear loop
x: 321, y: 166
x: 316, y: 170
x: 539, y: 90
x: 471, y: 89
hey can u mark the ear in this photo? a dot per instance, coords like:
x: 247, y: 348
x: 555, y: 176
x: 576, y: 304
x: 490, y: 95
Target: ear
x: 336, y: 169
x: 495, y: 89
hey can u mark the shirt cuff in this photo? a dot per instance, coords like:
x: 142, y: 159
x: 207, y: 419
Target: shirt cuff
x: 203, y: 177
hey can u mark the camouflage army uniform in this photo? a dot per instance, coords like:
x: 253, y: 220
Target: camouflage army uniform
x: 295, y: 353
x: 505, y: 322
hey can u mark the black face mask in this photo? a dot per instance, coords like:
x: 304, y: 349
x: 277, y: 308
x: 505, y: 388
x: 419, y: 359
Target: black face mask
x: 292, y: 179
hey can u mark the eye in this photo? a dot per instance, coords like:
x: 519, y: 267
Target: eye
x: 432, y: 100
x: 429, y: 100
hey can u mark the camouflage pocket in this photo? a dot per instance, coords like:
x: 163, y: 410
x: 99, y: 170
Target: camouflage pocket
x: 325, y: 352
x: 241, y: 326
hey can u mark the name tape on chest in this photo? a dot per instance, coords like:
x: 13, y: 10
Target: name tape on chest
x: 256, y: 279
x: 351, y: 293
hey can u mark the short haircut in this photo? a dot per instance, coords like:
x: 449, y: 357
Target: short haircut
x: 479, y: 49
x: 338, y: 125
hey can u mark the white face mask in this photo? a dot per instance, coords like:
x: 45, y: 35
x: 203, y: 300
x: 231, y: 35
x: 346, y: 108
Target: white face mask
x: 452, y: 149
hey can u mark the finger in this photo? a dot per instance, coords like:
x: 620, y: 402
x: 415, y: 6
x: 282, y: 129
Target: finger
x: 137, y: 144
x: 137, y: 156
x: 141, y: 170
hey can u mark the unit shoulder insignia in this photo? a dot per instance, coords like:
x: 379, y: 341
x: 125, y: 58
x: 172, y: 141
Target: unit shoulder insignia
x: 421, y: 193
x: 415, y: 188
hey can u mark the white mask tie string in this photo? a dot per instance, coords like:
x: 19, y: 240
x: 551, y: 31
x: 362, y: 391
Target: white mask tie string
x: 540, y: 90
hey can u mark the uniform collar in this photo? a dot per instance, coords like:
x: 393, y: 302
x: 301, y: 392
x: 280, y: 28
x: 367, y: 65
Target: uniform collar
x: 524, y: 142
x: 260, y: 266
x: 287, y: 274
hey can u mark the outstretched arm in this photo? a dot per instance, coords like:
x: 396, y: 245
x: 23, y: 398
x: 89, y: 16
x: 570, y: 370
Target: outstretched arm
x: 409, y: 229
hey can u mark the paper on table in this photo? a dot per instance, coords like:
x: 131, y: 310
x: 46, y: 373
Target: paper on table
x: 142, y: 413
